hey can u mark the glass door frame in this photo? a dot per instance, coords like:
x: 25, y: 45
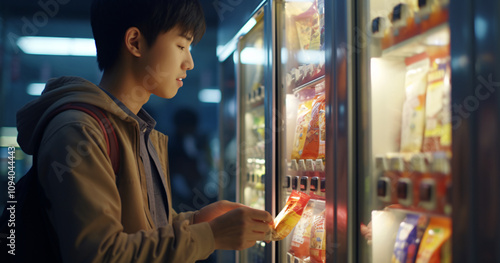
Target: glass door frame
x: 267, y: 8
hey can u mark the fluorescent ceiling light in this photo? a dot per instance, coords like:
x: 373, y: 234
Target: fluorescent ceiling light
x: 209, y: 95
x: 224, y: 51
x: 57, y: 46
x: 35, y: 89
x: 248, y: 26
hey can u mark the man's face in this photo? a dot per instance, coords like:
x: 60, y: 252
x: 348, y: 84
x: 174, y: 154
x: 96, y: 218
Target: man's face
x: 166, y: 63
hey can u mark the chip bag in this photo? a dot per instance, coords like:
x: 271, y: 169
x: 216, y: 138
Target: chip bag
x: 314, y: 145
x: 289, y: 216
x: 301, y: 234
x: 408, y: 239
x: 437, y: 233
x: 303, y: 119
x: 317, y: 247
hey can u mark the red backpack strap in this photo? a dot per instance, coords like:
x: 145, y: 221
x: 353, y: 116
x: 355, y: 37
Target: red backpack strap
x: 98, y: 114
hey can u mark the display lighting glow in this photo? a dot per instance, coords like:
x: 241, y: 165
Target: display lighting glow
x: 58, y: 46
x: 224, y: 51
x: 35, y: 89
x: 442, y: 38
x: 209, y: 95
x: 253, y: 56
x: 311, y: 56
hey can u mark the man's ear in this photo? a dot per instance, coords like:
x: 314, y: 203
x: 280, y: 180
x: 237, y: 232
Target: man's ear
x: 134, y: 41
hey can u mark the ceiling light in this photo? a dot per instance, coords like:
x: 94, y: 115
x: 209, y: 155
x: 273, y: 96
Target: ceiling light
x: 35, y: 89
x: 225, y: 51
x: 209, y: 95
x: 57, y: 46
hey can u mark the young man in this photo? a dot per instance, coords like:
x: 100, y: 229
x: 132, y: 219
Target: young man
x: 100, y: 216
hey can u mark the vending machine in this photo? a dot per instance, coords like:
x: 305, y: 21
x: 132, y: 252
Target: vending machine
x: 411, y: 102
x: 301, y: 127
x: 405, y: 192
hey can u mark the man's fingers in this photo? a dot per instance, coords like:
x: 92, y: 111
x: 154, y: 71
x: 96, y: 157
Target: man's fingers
x: 261, y: 227
x: 261, y: 215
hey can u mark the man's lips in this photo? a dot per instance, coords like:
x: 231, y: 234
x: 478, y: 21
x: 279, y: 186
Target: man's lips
x: 179, y: 81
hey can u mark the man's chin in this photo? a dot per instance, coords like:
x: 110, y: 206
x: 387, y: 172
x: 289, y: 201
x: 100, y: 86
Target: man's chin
x: 167, y: 95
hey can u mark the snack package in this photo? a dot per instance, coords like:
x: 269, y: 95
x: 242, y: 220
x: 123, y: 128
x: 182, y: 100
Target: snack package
x: 303, y: 119
x: 301, y: 233
x: 437, y: 233
x: 437, y: 135
x: 317, y: 247
x: 314, y: 145
x: 308, y: 26
x: 289, y: 216
x: 413, y: 116
x: 408, y: 239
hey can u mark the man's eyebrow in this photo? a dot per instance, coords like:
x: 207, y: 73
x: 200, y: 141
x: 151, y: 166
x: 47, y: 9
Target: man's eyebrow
x: 188, y: 37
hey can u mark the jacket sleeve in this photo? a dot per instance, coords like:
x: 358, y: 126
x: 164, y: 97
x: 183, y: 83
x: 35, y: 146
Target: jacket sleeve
x: 85, y: 207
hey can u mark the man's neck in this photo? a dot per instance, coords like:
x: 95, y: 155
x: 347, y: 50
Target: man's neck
x: 125, y: 88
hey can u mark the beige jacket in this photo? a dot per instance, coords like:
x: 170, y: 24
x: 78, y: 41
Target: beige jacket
x: 100, y: 217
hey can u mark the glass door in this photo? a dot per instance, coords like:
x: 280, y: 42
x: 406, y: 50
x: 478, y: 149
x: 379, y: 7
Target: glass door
x: 301, y: 126
x: 404, y: 201
x: 251, y: 133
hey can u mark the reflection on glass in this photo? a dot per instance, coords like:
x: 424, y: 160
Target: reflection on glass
x: 252, y: 161
x: 252, y: 165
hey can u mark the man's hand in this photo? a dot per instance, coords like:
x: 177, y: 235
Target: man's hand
x: 240, y: 228
x: 211, y: 211
x: 366, y: 232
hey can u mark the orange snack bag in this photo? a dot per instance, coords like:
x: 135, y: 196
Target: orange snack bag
x: 303, y: 119
x: 290, y: 215
x: 437, y: 233
x: 314, y: 145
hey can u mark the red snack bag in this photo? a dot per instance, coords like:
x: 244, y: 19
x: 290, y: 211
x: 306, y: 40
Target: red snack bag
x: 314, y: 146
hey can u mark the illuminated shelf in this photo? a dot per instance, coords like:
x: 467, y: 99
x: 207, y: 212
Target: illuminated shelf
x: 437, y: 36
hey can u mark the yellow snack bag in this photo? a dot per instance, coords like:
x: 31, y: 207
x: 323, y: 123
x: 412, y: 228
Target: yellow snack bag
x: 303, y: 119
x: 290, y: 215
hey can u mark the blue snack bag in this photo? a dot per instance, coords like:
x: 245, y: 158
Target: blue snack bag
x: 407, y: 240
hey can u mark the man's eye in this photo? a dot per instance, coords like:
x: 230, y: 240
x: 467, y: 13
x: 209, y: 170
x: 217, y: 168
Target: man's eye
x: 181, y: 47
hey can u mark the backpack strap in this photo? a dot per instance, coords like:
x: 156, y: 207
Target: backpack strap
x: 112, y: 146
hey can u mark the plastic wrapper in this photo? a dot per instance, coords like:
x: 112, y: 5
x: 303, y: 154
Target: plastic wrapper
x: 437, y: 135
x: 317, y: 244
x: 408, y: 239
x: 436, y: 235
x: 303, y: 119
x: 289, y: 216
x: 314, y: 145
x: 413, y: 121
x: 300, y: 237
x: 308, y: 26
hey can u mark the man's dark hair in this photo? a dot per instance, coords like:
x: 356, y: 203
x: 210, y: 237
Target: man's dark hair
x: 110, y: 19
